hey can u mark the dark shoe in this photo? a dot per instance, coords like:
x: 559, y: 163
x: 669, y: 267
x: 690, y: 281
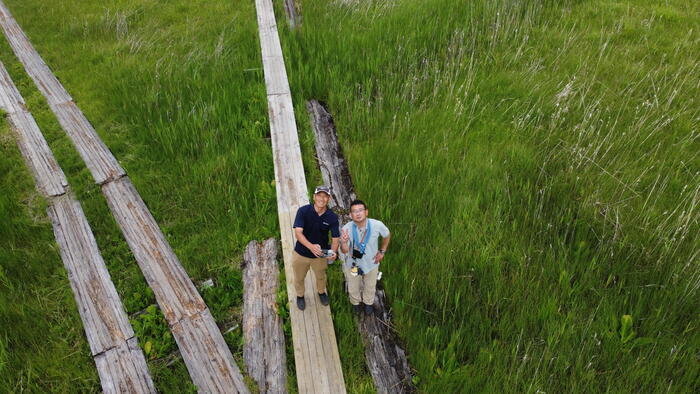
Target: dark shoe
x: 357, y: 309
x: 301, y: 304
x: 324, y: 298
x: 369, y: 309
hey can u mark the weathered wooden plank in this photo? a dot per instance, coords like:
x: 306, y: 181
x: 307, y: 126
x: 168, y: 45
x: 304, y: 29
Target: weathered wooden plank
x: 385, y: 357
x: 103, y: 166
x: 105, y: 321
x: 176, y: 294
x: 264, y: 352
x: 36, y: 68
x: 315, y: 349
x: 98, y: 158
x: 206, y: 355
x: 41, y: 162
x: 10, y: 98
x: 49, y: 177
x: 121, y: 369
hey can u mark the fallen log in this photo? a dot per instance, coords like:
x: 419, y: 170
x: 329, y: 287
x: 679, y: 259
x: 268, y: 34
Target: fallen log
x: 386, y: 359
x: 293, y: 14
x: 263, y: 352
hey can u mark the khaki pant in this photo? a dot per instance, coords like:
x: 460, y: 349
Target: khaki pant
x: 369, y: 286
x: 301, y: 266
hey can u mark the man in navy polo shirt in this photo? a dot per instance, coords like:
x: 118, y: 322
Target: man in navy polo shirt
x: 311, y: 227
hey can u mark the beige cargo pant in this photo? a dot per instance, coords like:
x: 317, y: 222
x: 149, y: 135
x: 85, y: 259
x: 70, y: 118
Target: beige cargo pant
x: 301, y: 266
x: 361, y: 288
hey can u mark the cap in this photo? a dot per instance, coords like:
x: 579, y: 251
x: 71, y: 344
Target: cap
x: 322, y: 188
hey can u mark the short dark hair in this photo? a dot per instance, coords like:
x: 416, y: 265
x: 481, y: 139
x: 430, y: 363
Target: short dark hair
x: 358, y: 202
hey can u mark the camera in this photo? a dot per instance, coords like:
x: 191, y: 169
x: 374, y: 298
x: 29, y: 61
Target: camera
x: 356, y: 254
x: 327, y: 253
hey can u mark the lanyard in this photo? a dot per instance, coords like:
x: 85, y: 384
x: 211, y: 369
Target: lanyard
x: 362, y: 243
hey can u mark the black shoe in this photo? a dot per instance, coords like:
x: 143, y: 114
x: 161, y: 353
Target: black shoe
x: 369, y: 309
x: 357, y: 309
x: 301, y: 304
x: 324, y: 298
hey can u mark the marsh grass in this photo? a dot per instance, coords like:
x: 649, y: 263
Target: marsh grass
x: 537, y: 163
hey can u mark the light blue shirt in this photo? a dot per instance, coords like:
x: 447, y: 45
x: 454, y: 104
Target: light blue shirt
x: 367, y: 261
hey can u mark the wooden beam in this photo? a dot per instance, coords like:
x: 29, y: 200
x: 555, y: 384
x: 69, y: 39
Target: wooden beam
x: 264, y: 351
x: 316, y: 355
x: 386, y: 359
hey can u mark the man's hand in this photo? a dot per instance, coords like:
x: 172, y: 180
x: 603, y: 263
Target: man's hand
x: 316, y: 250
x: 345, y: 237
x: 378, y: 257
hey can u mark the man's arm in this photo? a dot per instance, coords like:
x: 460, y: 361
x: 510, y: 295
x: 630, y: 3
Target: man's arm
x: 314, y: 248
x: 380, y: 253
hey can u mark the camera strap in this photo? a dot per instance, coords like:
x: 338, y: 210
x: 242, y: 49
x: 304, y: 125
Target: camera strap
x: 362, y: 244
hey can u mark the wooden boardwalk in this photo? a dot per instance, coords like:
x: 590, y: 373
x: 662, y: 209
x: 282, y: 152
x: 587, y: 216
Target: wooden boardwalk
x: 206, y: 355
x: 120, y: 362
x: 316, y: 355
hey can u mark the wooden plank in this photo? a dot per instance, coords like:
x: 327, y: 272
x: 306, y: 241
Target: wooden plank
x: 98, y: 158
x: 264, y: 351
x: 315, y: 349
x: 49, y: 177
x: 103, y: 166
x: 105, y: 323
x: 176, y: 294
x: 192, y: 325
x: 36, y: 68
x: 386, y: 359
x: 206, y: 355
x: 120, y: 371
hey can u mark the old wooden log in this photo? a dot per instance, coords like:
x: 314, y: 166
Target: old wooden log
x: 264, y: 352
x: 385, y: 356
x: 292, y: 9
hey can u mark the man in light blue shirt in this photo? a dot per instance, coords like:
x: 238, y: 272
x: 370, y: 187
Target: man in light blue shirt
x: 359, y: 239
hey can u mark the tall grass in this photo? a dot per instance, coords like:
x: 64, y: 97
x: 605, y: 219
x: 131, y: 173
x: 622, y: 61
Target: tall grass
x: 537, y: 163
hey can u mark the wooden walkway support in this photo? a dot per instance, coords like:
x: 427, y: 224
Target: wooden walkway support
x: 204, y: 351
x: 317, y: 361
x: 386, y: 359
x: 119, y: 361
x: 264, y: 351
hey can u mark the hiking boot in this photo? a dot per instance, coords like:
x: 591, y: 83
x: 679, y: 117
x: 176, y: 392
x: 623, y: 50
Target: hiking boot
x: 369, y: 309
x: 301, y: 304
x: 324, y: 298
x: 357, y: 309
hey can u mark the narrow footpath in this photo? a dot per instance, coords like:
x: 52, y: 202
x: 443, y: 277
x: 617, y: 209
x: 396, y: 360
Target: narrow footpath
x: 317, y: 361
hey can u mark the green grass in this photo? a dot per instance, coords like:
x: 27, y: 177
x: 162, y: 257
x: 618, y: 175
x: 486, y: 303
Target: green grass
x: 537, y: 163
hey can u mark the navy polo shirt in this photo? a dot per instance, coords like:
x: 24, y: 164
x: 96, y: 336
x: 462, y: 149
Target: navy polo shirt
x: 316, y: 228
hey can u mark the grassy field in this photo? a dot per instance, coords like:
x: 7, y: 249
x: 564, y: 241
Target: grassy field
x: 536, y: 161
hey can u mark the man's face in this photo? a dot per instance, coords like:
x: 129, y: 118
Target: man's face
x: 358, y: 213
x: 321, y: 199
